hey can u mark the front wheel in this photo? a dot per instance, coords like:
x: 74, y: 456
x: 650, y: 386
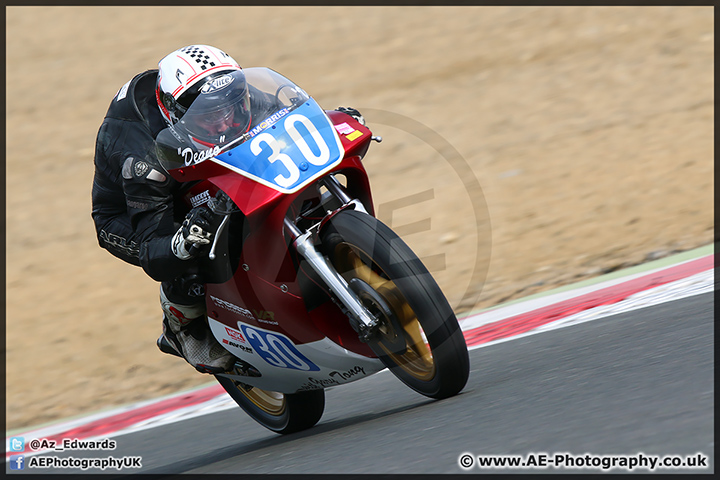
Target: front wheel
x: 281, y: 413
x: 418, y: 337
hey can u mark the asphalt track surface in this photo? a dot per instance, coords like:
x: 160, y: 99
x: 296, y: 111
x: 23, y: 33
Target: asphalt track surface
x: 635, y: 382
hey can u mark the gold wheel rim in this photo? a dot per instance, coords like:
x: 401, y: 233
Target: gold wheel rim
x: 270, y: 402
x: 417, y: 359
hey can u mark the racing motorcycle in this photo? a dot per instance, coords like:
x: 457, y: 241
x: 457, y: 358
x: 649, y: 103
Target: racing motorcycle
x: 303, y: 285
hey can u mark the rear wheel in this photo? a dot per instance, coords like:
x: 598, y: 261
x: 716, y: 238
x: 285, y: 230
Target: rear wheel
x: 418, y: 337
x: 281, y: 413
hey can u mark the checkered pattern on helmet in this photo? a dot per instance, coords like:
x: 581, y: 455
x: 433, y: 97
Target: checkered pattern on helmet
x: 200, y: 56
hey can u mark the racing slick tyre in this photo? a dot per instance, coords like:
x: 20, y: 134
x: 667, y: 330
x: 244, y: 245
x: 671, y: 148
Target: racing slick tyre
x: 281, y: 413
x: 418, y: 338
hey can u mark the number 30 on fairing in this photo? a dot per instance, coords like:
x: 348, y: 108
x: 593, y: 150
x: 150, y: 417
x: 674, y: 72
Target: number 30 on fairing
x: 277, y: 350
x: 293, y: 167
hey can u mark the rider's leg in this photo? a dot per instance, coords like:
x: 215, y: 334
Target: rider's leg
x: 185, y: 327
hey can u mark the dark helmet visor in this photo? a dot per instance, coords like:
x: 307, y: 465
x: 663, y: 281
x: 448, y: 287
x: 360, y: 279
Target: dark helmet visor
x: 218, y: 109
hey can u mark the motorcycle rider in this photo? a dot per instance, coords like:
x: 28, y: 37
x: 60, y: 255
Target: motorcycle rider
x: 133, y: 196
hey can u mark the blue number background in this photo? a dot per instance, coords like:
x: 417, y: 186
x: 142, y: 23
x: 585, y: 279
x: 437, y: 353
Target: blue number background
x: 260, y: 349
x: 242, y: 159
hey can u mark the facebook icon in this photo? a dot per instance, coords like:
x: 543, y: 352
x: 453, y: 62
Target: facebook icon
x: 17, y: 462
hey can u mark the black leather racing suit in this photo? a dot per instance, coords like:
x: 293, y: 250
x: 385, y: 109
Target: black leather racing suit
x: 133, y: 197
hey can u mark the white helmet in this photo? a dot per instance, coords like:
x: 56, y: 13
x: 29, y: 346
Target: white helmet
x: 181, y: 70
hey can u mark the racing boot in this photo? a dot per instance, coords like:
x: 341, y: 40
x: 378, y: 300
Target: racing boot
x: 184, y: 328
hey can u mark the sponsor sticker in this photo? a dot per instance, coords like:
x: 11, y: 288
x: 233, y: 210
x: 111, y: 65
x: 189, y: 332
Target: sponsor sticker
x: 237, y: 345
x: 231, y: 307
x: 268, y: 122
x: 200, y: 198
x: 235, y: 334
x: 344, y: 128
x: 349, y: 132
x: 217, y: 84
x: 354, y: 135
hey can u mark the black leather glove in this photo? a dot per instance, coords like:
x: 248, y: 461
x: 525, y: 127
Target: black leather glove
x: 194, y: 235
x: 353, y: 113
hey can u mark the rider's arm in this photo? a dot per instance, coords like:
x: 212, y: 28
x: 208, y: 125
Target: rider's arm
x: 150, y: 207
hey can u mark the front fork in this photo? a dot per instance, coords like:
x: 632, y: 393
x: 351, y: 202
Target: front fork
x: 362, y: 320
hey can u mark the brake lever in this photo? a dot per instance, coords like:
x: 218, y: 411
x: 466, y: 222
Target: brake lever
x: 211, y: 255
x: 222, y: 204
